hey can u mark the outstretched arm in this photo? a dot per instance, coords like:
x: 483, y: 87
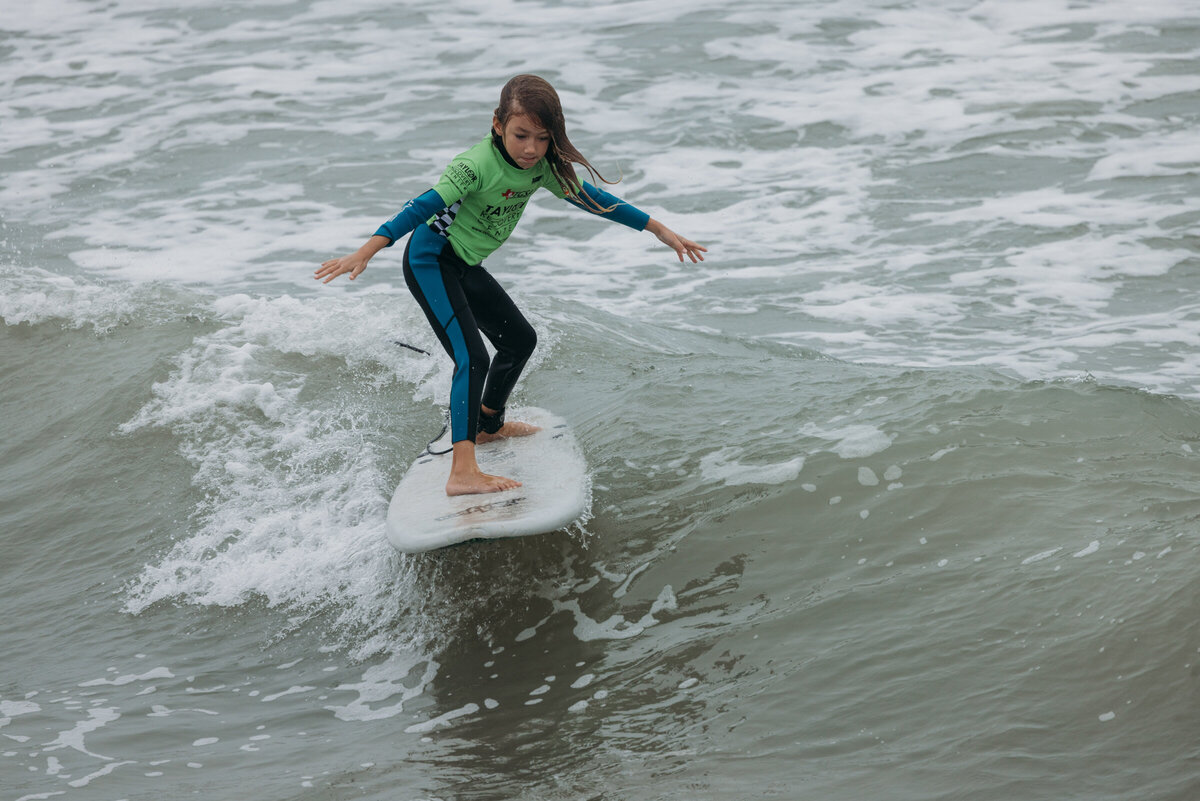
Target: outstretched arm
x: 415, y: 212
x: 593, y: 200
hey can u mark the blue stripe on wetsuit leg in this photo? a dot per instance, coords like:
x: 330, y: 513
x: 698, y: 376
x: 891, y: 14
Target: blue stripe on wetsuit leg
x: 423, y: 251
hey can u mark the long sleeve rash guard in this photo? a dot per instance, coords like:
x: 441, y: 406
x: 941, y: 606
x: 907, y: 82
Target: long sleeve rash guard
x: 480, y: 197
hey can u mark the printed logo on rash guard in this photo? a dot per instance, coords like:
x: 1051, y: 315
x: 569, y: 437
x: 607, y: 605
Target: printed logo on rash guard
x: 511, y: 194
x: 498, y: 221
x: 461, y: 175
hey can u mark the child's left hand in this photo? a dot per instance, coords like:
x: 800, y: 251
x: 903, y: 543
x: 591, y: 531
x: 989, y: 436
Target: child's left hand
x: 679, y: 244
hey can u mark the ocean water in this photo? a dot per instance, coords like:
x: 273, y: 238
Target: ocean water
x: 896, y: 496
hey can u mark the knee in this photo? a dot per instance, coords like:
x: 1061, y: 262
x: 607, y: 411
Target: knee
x: 472, y: 360
x: 524, y: 340
x: 479, y: 359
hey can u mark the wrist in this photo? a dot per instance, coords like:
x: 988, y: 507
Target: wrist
x: 373, y: 245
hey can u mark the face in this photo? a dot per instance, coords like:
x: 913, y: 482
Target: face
x: 524, y: 139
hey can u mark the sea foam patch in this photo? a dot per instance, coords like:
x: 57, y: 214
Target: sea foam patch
x: 962, y: 183
x: 279, y: 411
x: 723, y: 465
x: 294, y: 489
x: 850, y: 441
x: 34, y: 295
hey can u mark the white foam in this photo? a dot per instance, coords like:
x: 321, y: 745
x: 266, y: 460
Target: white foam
x: 665, y: 602
x: 1154, y: 154
x: 391, y: 679
x: 293, y: 690
x: 156, y: 673
x: 97, y: 718
x: 587, y: 629
x: 160, y: 711
x: 33, y: 295
x: 937, y: 455
x: 12, y: 709
x: 443, y: 720
x: 104, y: 771
x: 850, y: 442
x: 820, y: 146
x: 1037, y: 557
x: 294, y: 491
x: 724, y: 466
x: 867, y: 477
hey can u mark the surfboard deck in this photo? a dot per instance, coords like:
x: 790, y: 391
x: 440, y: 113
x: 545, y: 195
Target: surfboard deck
x: 554, y: 492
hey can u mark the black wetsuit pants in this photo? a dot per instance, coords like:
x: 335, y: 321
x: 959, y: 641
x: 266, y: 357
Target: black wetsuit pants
x: 461, y: 301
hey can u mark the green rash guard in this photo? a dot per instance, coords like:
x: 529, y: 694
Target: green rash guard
x: 485, y: 197
x: 480, y: 197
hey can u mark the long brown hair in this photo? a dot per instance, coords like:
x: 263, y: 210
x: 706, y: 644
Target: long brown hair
x: 534, y: 97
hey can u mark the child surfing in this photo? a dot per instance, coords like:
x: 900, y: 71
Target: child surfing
x: 464, y: 218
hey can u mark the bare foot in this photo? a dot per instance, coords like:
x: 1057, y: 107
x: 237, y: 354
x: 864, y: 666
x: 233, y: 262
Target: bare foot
x: 479, y: 484
x: 467, y: 479
x: 512, y: 428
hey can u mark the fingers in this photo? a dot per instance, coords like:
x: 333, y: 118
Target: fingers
x: 333, y: 268
x: 682, y: 247
x: 328, y: 272
x: 693, y: 251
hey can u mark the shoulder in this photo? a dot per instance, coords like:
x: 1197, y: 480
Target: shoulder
x: 478, y: 153
x: 479, y: 164
x: 465, y: 171
x: 550, y: 180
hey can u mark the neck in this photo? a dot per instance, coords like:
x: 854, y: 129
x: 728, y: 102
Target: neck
x: 498, y: 141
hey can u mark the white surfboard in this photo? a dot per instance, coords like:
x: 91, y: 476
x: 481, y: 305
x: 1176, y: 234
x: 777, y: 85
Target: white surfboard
x: 554, y: 490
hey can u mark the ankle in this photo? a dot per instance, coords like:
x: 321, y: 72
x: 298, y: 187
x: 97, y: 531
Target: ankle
x: 490, y: 422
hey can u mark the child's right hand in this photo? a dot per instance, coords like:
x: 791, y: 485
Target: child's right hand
x: 353, y: 263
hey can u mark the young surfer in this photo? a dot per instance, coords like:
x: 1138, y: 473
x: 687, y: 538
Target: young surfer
x: 467, y: 215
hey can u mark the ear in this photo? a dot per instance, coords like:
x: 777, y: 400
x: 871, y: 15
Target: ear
x: 496, y: 126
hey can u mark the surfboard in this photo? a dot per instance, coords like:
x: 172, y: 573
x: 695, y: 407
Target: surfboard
x: 554, y: 491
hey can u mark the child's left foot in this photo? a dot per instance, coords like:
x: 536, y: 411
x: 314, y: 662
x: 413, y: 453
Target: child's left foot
x: 512, y: 428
